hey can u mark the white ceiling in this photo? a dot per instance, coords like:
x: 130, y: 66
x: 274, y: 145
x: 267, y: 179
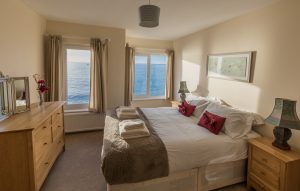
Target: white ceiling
x: 178, y: 17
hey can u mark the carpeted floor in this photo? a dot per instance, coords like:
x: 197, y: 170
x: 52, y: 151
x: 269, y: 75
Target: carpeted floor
x: 78, y: 168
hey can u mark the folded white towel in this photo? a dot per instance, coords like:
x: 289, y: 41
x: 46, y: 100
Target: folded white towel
x: 135, y: 133
x: 124, y: 109
x: 132, y: 124
x: 127, y: 115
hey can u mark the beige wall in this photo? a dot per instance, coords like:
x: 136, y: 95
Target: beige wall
x: 274, y: 32
x: 21, y: 42
x: 150, y: 44
x: 116, y: 60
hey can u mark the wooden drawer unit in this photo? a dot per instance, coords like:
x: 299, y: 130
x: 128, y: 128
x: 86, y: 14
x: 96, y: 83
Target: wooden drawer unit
x: 42, y: 139
x: 31, y: 142
x: 57, y: 116
x: 272, y: 169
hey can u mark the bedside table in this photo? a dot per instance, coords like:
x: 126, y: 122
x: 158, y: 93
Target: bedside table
x: 175, y: 103
x: 272, y: 169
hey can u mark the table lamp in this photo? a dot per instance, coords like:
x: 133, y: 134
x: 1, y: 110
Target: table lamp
x: 182, y: 90
x: 284, y: 117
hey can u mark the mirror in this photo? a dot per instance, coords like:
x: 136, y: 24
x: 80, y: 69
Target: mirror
x: 20, y: 94
x: 5, y: 101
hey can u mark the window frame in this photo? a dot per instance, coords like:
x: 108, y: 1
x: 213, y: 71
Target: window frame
x: 72, y: 107
x: 148, y: 53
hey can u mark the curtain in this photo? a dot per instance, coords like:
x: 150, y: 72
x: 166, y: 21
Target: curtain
x: 54, y: 68
x: 99, y: 59
x: 170, y: 75
x: 129, y: 63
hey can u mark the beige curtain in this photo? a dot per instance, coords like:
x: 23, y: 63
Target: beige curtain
x: 54, y: 68
x: 170, y: 75
x: 129, y: 63
x: 99, y: 59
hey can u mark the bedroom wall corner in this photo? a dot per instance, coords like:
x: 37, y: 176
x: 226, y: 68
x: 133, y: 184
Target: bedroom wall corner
x: 21, y: 47
x: 116, y: 54
x: 150, y: 44
x: 273, y: 32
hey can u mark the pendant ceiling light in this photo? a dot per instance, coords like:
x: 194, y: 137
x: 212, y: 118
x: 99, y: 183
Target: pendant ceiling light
x: 149, y: 15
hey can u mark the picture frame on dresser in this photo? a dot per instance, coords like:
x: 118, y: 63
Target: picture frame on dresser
x: 20, y: 94
x: 6, y: 107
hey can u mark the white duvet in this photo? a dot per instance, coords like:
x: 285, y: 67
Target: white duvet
x: 189, y: 145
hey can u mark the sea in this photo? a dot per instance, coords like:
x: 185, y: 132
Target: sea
x: 78, y: 80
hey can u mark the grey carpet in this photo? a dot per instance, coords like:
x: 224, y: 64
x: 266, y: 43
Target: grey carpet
x: 78, y: 168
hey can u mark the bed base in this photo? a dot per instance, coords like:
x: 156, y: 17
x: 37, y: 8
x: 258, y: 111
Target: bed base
x: 199, y: 179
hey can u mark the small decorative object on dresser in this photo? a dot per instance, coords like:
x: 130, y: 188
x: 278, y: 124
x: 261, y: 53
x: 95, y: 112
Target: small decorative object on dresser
x: 30, y: 142
x: 182, y: 90
x: 42, y: 89
x: 272, y: 169
x: 284, y: 117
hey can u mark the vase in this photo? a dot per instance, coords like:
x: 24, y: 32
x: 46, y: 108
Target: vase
x: 41, y: 98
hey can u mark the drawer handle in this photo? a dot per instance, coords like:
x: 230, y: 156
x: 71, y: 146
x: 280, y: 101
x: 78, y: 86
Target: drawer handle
x: 58, y: 126
x: 45, y: 143
x: 265, y: 160
x: 57, y: 113
x: 44, y: 127
x: 262, y: 173
x: 46, y: 163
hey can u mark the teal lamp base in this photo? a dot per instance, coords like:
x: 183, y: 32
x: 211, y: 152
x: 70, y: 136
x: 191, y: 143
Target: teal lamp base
x: 282, y: 135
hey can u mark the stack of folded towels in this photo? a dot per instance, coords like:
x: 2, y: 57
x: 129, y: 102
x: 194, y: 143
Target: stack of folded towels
x: 127, y: 113
x: 135, y: 128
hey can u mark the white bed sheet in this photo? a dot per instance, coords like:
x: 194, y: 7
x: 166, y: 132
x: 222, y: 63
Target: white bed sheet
x: 189, y: 145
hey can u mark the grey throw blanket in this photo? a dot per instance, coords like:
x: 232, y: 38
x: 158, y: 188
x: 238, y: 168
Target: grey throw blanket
x: 134, y: 160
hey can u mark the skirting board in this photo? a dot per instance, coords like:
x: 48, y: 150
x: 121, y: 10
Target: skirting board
x: 199, y: 179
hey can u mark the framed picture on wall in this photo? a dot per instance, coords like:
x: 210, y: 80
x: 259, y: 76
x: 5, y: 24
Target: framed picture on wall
x: 230, y: 66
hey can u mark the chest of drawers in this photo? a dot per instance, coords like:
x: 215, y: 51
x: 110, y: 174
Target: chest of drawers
x: 272, y: 169
x: 29, y: 145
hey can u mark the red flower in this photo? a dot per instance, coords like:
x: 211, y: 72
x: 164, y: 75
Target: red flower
x: 41, y: 82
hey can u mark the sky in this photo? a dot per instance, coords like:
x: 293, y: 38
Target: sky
x: 74, y: 55
x: 155, y: 59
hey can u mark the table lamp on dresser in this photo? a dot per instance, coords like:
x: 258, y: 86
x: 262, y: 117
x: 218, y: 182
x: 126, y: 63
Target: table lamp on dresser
x: 182, y: 90
x: 284, y: 117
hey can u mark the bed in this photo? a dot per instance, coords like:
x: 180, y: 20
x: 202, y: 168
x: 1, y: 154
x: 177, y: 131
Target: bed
x: 198, y: 160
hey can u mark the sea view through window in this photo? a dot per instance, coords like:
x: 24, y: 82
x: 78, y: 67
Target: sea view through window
x: 78, y: 76
x: 150, y: 75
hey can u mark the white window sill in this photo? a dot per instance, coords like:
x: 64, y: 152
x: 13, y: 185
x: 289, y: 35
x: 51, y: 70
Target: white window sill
x: 149, y: 99
x: 76, y: 110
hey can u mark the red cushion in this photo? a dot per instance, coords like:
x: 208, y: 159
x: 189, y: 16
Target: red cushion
x: 212, y: 122
x: 186, y: 109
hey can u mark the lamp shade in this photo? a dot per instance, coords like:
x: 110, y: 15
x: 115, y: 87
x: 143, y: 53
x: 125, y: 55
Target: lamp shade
x: 284, y: 114
x: 183, y: 87
x: 149, y: 16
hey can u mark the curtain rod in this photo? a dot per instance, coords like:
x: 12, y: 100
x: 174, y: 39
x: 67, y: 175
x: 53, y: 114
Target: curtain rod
x: 78, y: 37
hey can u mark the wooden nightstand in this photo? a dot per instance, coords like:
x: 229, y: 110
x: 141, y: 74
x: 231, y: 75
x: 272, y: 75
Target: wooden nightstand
x: 175, y: 103
x: 272, y: 169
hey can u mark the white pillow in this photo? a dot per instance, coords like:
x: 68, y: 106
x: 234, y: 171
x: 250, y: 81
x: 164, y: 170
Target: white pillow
x: 199, y: 100
x: 200, y: 109
x: 258, y: 120
x: 237, y: 123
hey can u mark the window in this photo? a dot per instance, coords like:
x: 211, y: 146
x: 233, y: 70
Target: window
x: 150, y: 71
x: 77, y: 67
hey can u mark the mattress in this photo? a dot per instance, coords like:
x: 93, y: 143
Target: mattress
x: 189, y: 145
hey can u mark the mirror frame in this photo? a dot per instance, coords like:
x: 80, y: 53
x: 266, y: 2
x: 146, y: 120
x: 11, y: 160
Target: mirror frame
x: 20, y: 109
x: 8, y: 92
